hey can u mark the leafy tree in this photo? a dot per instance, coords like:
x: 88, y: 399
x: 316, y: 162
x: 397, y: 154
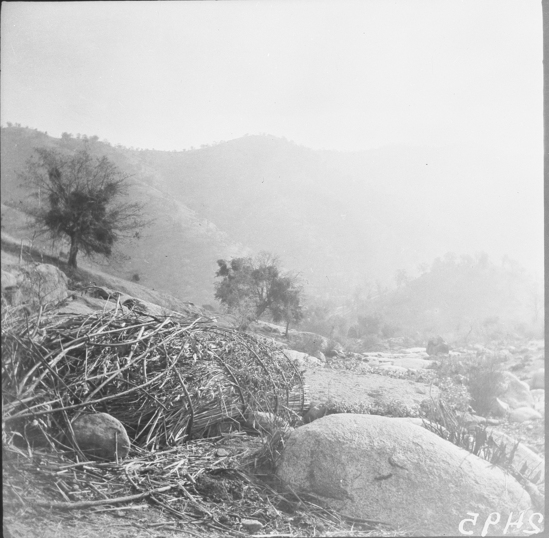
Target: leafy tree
x: 287, y: 303
x: 80, y: 198
x: 259, y: 285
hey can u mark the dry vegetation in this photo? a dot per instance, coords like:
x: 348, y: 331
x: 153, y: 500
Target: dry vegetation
x: 169, y: 381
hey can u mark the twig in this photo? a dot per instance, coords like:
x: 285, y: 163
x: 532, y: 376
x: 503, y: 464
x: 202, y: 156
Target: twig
x: 194, y: 502
x: 191, y: 409
x: 89, y: 504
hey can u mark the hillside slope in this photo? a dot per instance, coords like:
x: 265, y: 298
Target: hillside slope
x: 337, y: 218
x: 176, y: 254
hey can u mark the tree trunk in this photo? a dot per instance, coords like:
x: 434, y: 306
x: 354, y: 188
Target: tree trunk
x: 260, y: 310
x: 73, y: 252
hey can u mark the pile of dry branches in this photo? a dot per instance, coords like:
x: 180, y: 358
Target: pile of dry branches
x: 167, y: 379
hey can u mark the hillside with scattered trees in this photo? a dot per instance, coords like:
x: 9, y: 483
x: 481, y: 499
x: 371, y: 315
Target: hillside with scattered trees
x: 359, y: 230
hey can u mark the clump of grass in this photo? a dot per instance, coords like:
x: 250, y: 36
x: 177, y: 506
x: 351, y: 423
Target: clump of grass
x: 456, y: 428
x: 266, y: 458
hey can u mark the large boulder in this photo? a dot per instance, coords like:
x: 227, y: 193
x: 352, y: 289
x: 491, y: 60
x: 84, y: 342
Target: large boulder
x: 79, y: 305
x: 101, y: 436
x: 9, y: 287
x: 373, y: 467
x: 516, y: 393
x: 302, y: 359
x: 34, y: 285
x: 307, y: 342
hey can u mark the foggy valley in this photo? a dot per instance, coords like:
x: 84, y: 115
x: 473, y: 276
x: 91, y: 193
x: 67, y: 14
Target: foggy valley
x: 273, y: 268
x: 365, y: 231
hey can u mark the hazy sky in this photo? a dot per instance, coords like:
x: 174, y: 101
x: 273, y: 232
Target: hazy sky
x: 335, y: 75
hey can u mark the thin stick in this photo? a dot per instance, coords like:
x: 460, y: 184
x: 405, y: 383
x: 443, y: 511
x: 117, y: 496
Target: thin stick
x: 88, y: 504
x: 76, y: 406
x: 191, y: 417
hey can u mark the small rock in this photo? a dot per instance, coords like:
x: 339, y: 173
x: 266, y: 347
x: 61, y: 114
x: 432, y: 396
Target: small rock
x: 437, y: 346
x: 251, y: 525
x: 522, y: 414
x: 43, y: 284
x: 316, y: 411
x: 35, y: 433
x: 221, y: 452
x: 101, y: 436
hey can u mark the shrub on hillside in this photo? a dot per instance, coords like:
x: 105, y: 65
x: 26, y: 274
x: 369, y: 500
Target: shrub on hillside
x: 81, y: 198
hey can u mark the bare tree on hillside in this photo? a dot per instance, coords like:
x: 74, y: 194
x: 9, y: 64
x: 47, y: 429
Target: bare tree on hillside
x: 80, y: 197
